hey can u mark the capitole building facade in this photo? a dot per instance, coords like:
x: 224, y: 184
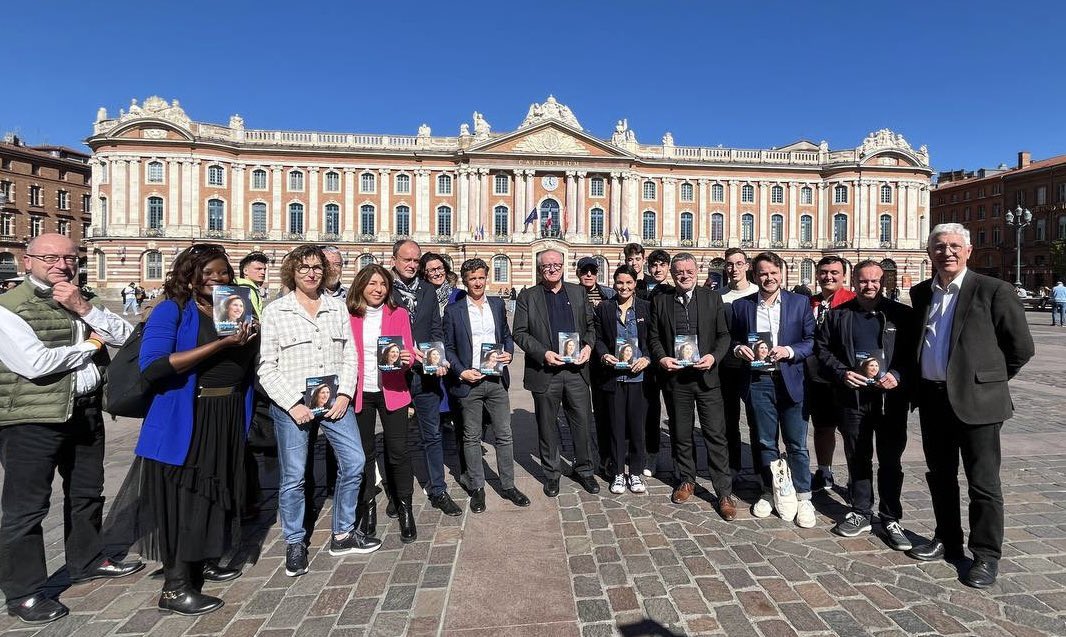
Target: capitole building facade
x: 161, y: 181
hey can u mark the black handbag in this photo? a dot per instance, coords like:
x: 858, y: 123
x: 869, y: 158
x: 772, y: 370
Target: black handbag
x: 126, y: 392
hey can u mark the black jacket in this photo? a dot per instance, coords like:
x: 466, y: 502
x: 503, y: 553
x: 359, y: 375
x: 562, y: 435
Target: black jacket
x: 426, y: 322
x: 712, y: 336
x: 532, y: 332
x: 606, y: 334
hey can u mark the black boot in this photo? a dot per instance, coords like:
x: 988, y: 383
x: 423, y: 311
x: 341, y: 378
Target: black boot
x: 215, y: 572
x: 179, y: 593
x: 408, y: 532
x: 366, y: 518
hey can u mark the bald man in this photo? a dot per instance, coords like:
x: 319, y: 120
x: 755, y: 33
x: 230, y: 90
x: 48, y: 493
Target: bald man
x: 51, y: 363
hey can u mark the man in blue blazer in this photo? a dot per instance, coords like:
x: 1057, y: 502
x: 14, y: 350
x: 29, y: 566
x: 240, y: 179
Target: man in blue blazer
x: 470, y: 322
x: 775, y: 398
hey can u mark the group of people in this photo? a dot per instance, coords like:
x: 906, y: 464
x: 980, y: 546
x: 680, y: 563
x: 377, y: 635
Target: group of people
x: 951, y: 354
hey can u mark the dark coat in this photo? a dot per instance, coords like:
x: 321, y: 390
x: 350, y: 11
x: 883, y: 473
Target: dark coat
x: 796, y: 331
x: 606, y: 335
x: 712, y: 336
x: 426, y: 323
x: 459, y: 343
x: 533, y: 333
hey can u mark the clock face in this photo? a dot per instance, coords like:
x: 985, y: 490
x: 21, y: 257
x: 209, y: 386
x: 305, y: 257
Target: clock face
x: 550, y: 182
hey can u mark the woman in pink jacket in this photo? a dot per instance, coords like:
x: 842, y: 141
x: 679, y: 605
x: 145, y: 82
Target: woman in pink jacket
x: 384, y: 394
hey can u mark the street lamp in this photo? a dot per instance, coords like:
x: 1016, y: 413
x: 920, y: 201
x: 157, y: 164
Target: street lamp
x: 1019, y: 219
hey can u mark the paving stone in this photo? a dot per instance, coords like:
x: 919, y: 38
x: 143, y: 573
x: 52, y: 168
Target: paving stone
x: 734, y: 622
x: 604, y: 554
x: 650, y: 586
x: 688, y: 600
x: 613, y: 574
x: 582, y: 564
x: 775, y: 628
x: 622, y: 598
x: 290, y: 611
x: 702, y: 625
x: 593, y: 610
x: 597, y: 630
x: 141, y: 622
x: 756, y: 603
x: 437, y: 576
x: 399, y: 598
x: 661, y: 610
x: 801, y: 617
x: 358, y: 611
x: 389, y: 625
x: 714, y: 590
x: 909, y: 622
x: 737, y: 578
x: 585, y: 586
x: 639, y: 564
x: 843, y: 623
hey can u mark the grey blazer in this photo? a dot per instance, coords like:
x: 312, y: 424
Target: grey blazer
x: 533, y: 333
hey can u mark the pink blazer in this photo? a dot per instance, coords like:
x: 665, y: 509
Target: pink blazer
x: 393, y: 384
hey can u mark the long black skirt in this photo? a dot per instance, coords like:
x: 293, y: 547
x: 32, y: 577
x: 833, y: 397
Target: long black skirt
x: 190, y: 512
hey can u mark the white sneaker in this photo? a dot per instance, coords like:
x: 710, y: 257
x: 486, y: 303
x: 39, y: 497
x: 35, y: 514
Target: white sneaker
x: 805, y: 517
x: 636, y: 484
x: 647, y: 473
x: 762, y: 508
x: 619, y: 484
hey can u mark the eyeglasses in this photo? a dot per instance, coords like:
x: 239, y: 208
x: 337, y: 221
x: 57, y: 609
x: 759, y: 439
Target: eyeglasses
x: 52, y: 259
x: 551, y: 267
x: 304, y: 269
x: 439, y: 270
x: 589, y: 271
x: 944, y: 248
x: 729, y: 265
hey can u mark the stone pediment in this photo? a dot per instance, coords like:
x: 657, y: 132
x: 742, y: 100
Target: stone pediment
x: 548, y: 139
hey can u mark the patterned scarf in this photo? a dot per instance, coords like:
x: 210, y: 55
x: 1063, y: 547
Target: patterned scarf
x: 408, y: 294
x: 444, y: 292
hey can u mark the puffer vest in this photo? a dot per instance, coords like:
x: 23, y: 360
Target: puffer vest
x: 48, y: 399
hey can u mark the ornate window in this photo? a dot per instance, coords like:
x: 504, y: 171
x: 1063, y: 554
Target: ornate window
x: 807, y: 271
x: 403, y: 184
x: 296, y: 217
x: 686, y: 226
x: 840, y: 227
x: 367, y: 217
x: 444, y: 219
x: 648, y: 225
x: 717, y: 193
x: 296, y: 180
x: 717, y: 227
x: 332, y: 216
x: 840, y: 193
x: 155, y: 213
x: 500, y: 217
x: 155, y: 172
x: 259, y: 179
x: 367, y: 183
x: 549, y: 218
x: 649, y: 190
x: 596, y: 187
x: 686, y: 192
x: 777, y: 228
x: 777, y: 194
x: 886, y: 193
x: 403, y: 220
x: 602, y: 273
x: 365, y: 260
x: 215, y: 176
x: 747, y: 228
x: 216, y: 215
x: 501, y: 185
x: 444, y: 185
x: 747, y: 194
x: 333, y: 182
x: 596, y: 222
x: 153, y: 265
x: 806, y: 195
x: 806, y: 229
x: 259, y: 217
x: 886, y: 228
x: 501, y: 269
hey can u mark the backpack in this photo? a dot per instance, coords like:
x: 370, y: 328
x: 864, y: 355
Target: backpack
x: 126, y: 392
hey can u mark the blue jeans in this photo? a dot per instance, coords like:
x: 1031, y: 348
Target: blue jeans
x: 426, y: 397
x: 1059, y: 309
x: 343, y: 436
x: 775, y: 411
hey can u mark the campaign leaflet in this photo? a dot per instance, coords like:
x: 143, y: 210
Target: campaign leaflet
x: 232, y: 306
x: 389, y: 348
x: 686, y: 350
x: 490, y: 363
x: 871, y: 366
x: 321, y: 393
x: 569, y: 346
x: 434, y: 356
x: 761, y: 343
x: 626, y: 350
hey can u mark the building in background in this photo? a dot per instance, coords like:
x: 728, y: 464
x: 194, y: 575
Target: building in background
x: 42, y: 189
x: 980, y: 200
x: 162, y: 181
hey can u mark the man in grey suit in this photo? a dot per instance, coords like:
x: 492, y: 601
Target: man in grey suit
x: 543, y: 312
x: 974, y: 339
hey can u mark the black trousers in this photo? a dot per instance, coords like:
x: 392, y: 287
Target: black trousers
x: 30, y: 454
x: 601, y: 417
x: 399, y: 477
x: 566, y: 389
x: 731, y: 381
x: 653, y: 418
x: 684, y: 400
x: 628, y: 408
x: 944, y: 439
x: 875, y: 425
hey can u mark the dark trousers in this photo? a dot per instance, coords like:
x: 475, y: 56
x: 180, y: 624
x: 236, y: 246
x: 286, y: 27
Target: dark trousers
x: 30, y: 454
x: 179, y: 575
x: 601, y: 416
x: 944, y: 439
x: 874, y: 424
x: 399, y: 478
x: 653, y: 419
x: 681, y: 397
x: 426, y: 393
x: 731, y: 382
x: 568, y: 390
x: 628, y: 409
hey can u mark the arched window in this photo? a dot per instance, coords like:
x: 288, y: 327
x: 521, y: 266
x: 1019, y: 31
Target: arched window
x: 296, y: 218
x: 444, y: 184
x: 717, y: 193
x: 886, y: 228
x: 259, y: 179
x: 501, y: 269
x: 806, y: 195
x: 365, y: 260
x: 777, y: 194
x: 747, y: 194
x: 747, y: 228
x: 403, y: 184
x: 155, y: 172
x: 840, y: 193
x: 153, y: 265
x: 686, y: 226
x: 216, y: 215
x: 596, y: 222
x: 649, y: 190
x: 155, y: 213
x: 807, y: 272
x: 840, y: 227
x: 717, y: 227
x: 444, y: 221
x: 603, y: 275
x: 366, y: 219
x: 686, y: 192
x: 259, y: 217
x: 777, y: 228
x: 500, y: 217
x: 549, y: 218
x: 333, y: 181
x: 215, y: 176
x: 101, y: 266
x: 806, y: 228
x: 648, y: 225
x: 403, y: 220
x: 367, y: 183
x: 332, y: 220
x: 886, y: 193
x: 296, y: 180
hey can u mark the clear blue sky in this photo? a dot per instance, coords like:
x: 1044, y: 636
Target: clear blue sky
x: 975, y: 81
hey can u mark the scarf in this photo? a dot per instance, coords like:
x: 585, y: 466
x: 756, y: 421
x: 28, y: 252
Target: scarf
x: 444, y: 292
x: 408, y: 294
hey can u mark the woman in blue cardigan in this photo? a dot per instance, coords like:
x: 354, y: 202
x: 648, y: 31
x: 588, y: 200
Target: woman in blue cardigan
x: 184, y: 491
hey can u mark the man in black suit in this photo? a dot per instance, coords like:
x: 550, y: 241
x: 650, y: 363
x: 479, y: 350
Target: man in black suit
x: 974, y: 339
x: 693, y: 311
x: 544, y: 311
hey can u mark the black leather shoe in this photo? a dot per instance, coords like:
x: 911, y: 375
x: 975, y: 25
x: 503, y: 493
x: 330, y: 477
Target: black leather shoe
x: 515, y: 496
x: 213, y: 572
x: 366, y: 518
x: 982, y: 574
x: 477, y: 500
x: 38, y: 609
x: 935, y: 550
x: 186, y: 601
x: 551, y: 487
x: 109, y: 569
x: 588, y: 483
x: 390, y: 509
x: 447, y: 506
x: 406, y: 517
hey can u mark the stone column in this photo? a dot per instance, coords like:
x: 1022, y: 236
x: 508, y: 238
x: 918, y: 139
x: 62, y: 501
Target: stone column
x: 199, y: 218
x: 629, y: 202
x: 349, y: 227
x: 873, y: 215
x: 531, y: 201
x: 119, y: 190
x: 520, y: 207
x: 703, y: 227
x: 384, y: 210
x: 670, y: 230
x: 99, y: 221
x: 135, y: 193
x: 580, y: 215
x: 278, y: 215
x: 902, y: 226
x: 237, y: 210
x: 615, y: 224
x: 762, y: 237
x: 314, y: 213
x: 173, y: 205
x: 734, y: 219
x: 567, y: 220
x: 792, y: 232
x: 856, y: 216
x: 824, y: 220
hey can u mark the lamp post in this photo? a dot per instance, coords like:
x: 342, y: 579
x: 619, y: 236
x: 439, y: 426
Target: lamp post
x: 1019, y: 220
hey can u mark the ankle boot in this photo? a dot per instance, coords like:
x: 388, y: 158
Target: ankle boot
x: 366, y: 518
x: 180, y: 596
x: 408, y: 532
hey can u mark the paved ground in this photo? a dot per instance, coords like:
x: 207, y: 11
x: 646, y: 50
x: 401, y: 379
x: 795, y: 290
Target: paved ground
x: 631, y: 565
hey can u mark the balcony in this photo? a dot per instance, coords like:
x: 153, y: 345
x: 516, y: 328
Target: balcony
x: 687, y: 243
x: 653, y: 243
x: 551, y: 233
x: 717, y: 243
x: 153, y: 232
x: 747, y: 243
x: 329, y: 237
x: 596, y: 238
x: 367, y: 238
x: 777, y: 245
x: 842, y: 244
x: 887, y: 245
x: 217, y: 234
x: 501, y: 238
x: 444, y: 238
x: 400, y: 236
x: 257, y: 235
x: 807, y: 245
x: 293, y: 236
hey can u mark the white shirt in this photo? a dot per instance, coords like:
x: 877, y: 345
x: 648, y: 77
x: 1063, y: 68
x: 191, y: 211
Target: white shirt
x: 23, y: 353
x: 936, y: 340
x: 482, y: 327
x: 733, y: 295
x: 768, y: 319
x: 371, y: 332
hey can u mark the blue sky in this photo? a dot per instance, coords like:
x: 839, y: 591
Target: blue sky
x: 974, y: 81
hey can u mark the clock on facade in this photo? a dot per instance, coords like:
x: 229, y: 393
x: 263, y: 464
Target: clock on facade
x: 550, y: 182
